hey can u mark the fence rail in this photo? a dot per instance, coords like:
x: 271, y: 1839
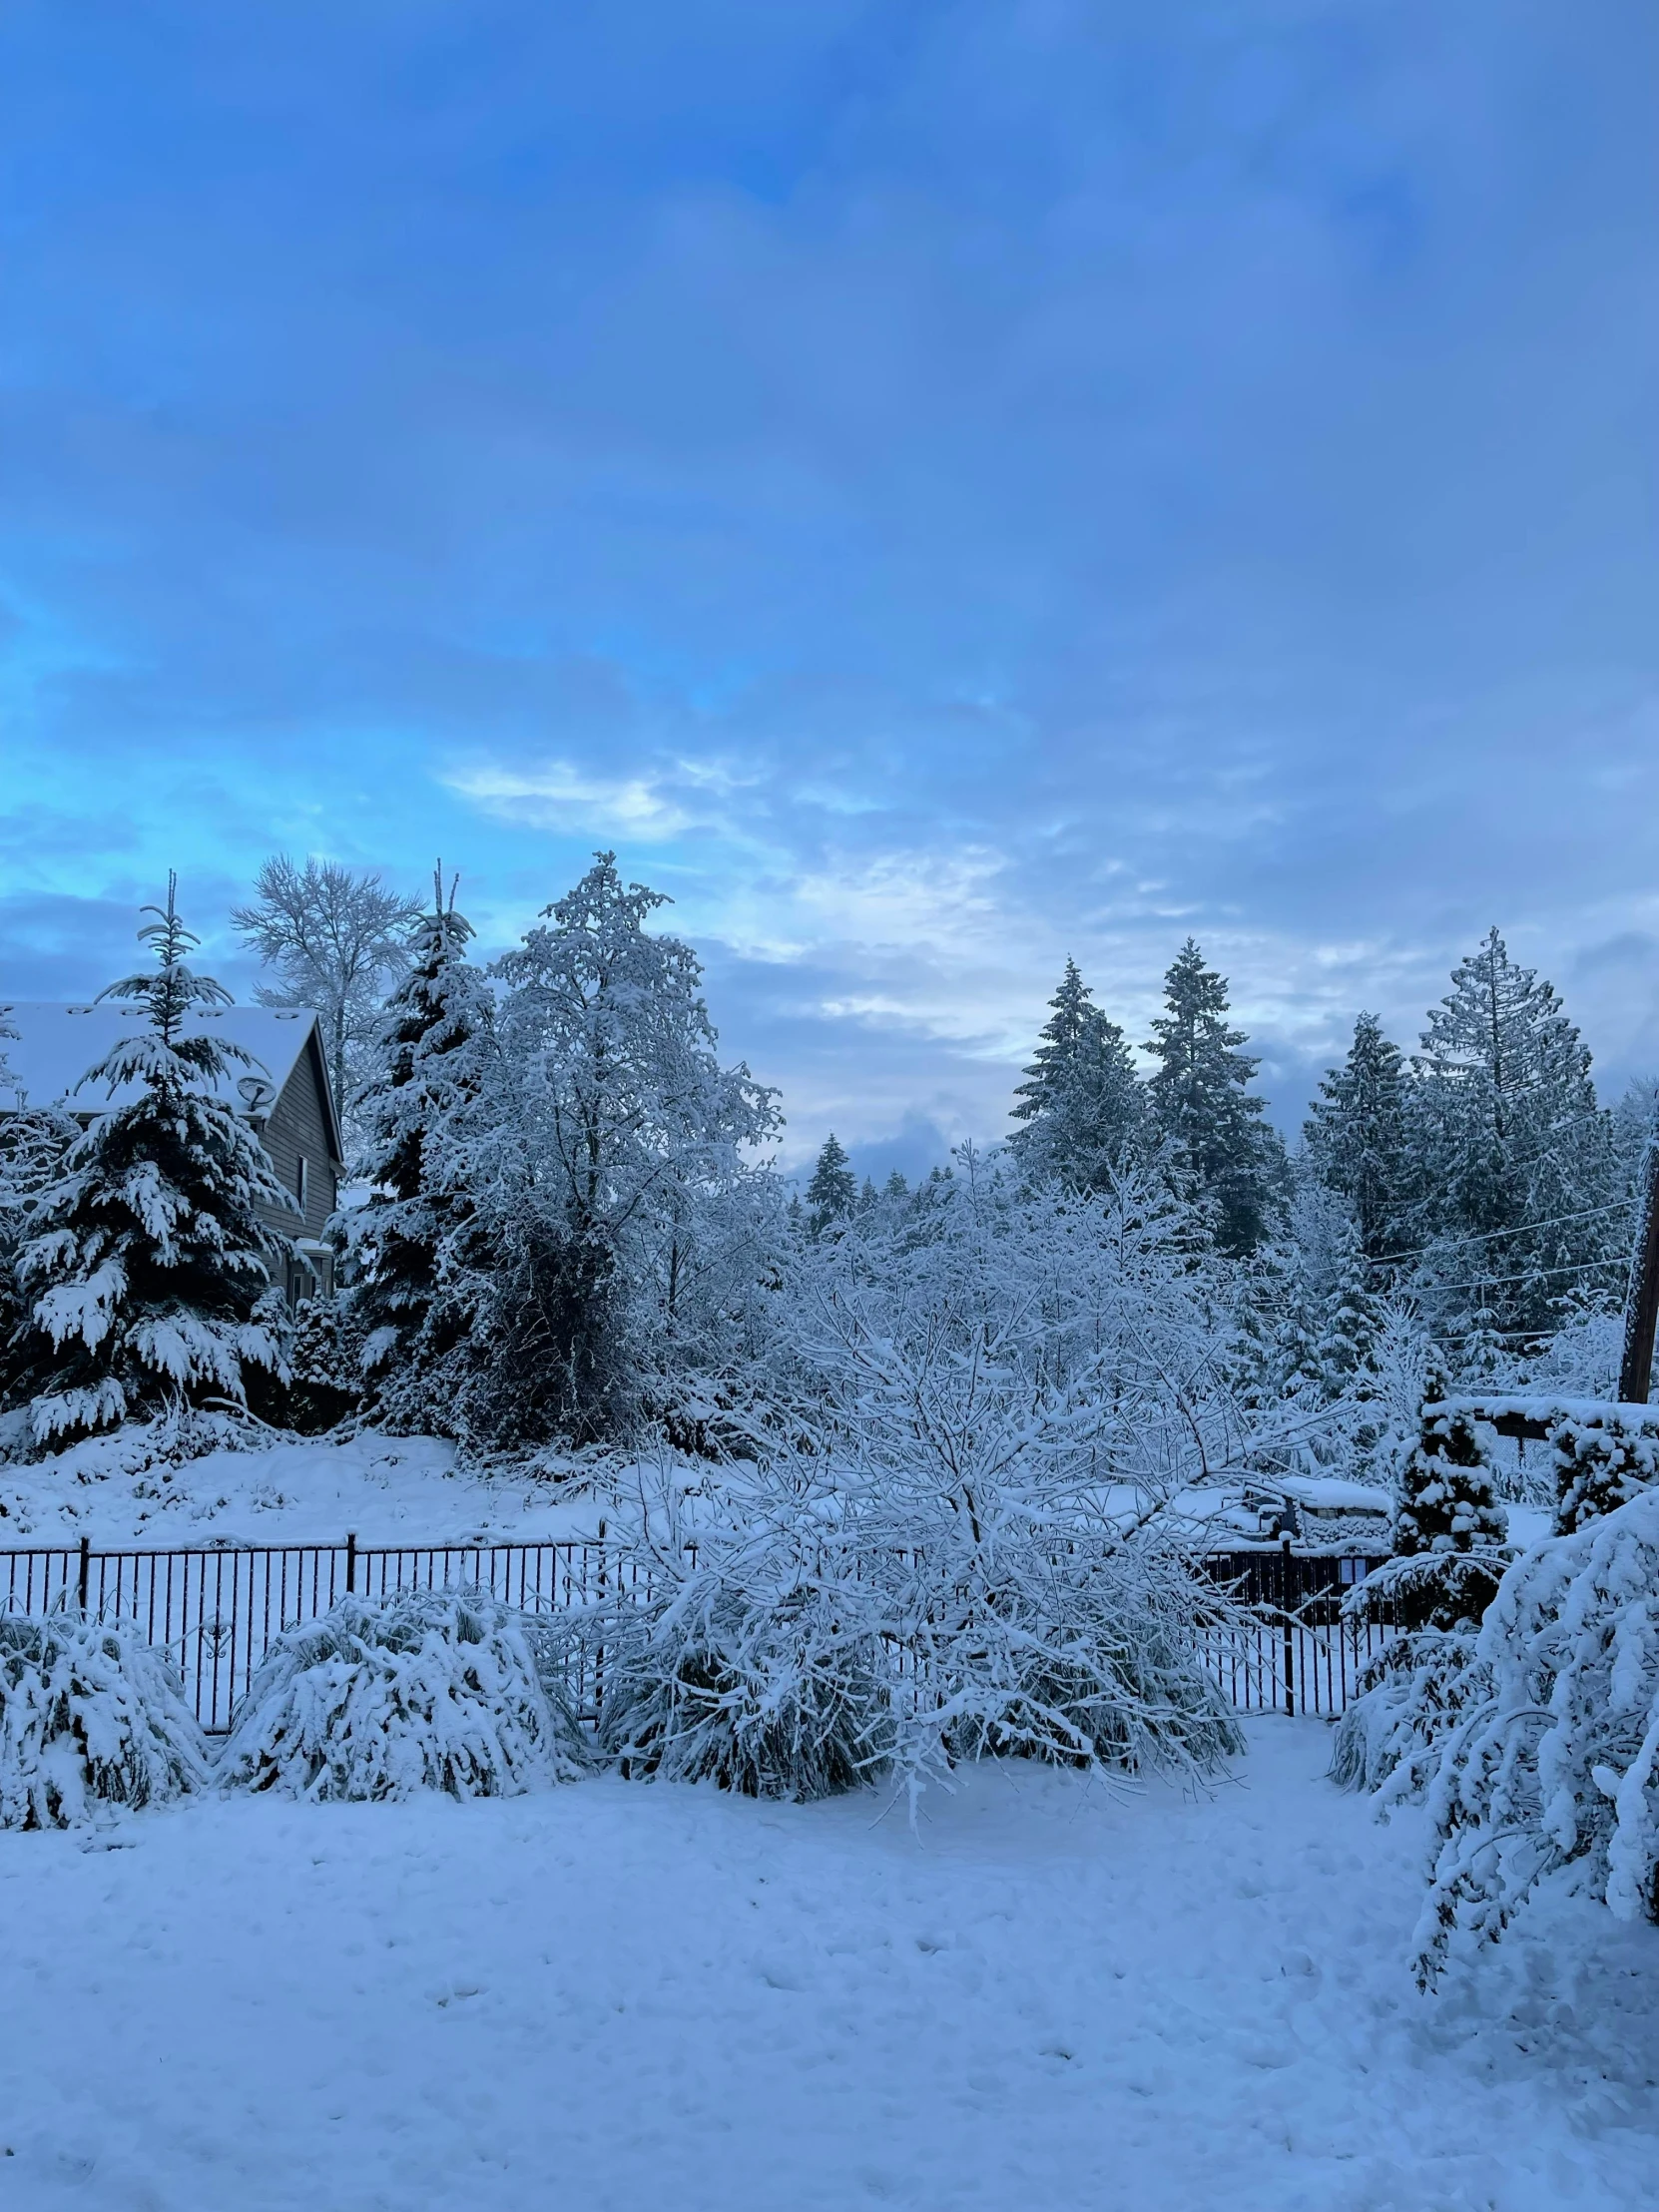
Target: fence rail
x: 216, y: 1610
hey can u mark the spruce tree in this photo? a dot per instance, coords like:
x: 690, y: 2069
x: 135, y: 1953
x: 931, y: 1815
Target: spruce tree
x: 1360, y: 1139
x: 1082, y: 1105
x: 1222, y: 1156
x: 148, y: 1275
x: 424, y: 1065
x: 834, y: 1190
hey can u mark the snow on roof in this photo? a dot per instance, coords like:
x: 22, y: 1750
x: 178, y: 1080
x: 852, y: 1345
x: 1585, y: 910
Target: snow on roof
x: 56, y: 1044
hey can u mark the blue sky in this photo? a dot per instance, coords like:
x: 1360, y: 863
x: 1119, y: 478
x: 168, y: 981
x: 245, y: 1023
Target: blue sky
x: 937, y: 487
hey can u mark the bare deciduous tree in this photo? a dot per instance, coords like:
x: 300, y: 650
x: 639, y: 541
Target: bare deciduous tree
x: 337, y: 939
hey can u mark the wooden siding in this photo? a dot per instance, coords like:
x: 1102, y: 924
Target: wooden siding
x: 296, y: 1128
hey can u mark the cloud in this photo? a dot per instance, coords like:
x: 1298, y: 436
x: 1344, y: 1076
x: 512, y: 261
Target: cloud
x: 938, y: 490
x: 560, y: 796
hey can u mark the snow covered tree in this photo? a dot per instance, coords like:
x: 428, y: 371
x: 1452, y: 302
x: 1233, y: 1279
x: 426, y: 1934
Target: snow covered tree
x: 1202, y: 1107
x: 1521, y: 1186
x: 1352, y: 1322
x: 425, y: 1064
x: 1601, y: 1463
x: 1450, y: 1530
x: 1360, y: 1139
x: 148, y: 1275
x: 336, y: 937
x: 33, y: 1143
x: 834, y: 1189
x: 610, y: 1154
x: 1082, y: 1106
x: 1556, y: 1764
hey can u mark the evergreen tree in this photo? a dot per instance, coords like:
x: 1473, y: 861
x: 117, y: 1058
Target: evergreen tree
x: 1081, y: 1104
x: 148, y: 1275
x: 831, y: 1193
x: 1222, y: 1157
x: 1450, y: 1530
x: 1353, y: 1323
x: 895, y: 1186
x: 1297, y: 1369
x: 424, y: 1064
x: 1520, y: 1164
x: 1359, y: 1139
x: 33, y: 1143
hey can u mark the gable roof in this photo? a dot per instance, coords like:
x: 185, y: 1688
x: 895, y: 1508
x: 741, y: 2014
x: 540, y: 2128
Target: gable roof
x: 57, y: 1043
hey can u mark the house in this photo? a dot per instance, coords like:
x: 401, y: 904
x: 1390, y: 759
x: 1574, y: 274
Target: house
x: 285, y: 1097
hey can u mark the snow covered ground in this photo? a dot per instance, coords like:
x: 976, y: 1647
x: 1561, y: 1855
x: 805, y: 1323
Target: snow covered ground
x: 389, y: 1489
x: 395, y: 1489
x: 626, y: 1998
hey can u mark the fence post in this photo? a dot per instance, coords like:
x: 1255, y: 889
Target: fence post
x: 350, y: 1562
x: 83, y: 1586
x: 1290, y: 1629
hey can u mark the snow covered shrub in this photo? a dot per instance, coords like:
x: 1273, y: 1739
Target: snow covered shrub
x: 754, y: 1672
x: 427, y: 1689
x: 90, y: 1715
x: 1085, y: 1657
x: 999, y: 1399
x: 1409, y: 1697
x: 1599, y: 1466
x: 1556, y: 1765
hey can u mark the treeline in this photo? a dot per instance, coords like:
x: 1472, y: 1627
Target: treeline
x: 571, y: 1228
x: 1481, y: 1173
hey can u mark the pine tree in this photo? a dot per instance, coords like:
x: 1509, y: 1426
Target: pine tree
x: 1359, y: 1141
x: 424, y: 1065
x: 1222, y: 1157
x: 149, y: 1273
x: 834, y: 1190
x: 1520, y: 1166
x: 1082, y: 1105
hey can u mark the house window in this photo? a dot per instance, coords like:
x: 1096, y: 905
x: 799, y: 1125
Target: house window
x: 299, y: 1184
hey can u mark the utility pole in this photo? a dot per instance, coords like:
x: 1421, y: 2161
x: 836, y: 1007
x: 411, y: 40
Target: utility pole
x: 1641, y: 1310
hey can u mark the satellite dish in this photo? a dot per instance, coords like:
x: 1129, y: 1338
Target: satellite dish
x: 254, y: 1091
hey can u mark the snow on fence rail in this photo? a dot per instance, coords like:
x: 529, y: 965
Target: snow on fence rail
x: 217, y: 1609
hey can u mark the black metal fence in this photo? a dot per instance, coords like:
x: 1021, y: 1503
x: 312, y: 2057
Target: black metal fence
x: 217, y: 1609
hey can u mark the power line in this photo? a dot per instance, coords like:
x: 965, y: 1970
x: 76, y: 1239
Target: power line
x: 1523, y: 1229
x: 1528, y: 1275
